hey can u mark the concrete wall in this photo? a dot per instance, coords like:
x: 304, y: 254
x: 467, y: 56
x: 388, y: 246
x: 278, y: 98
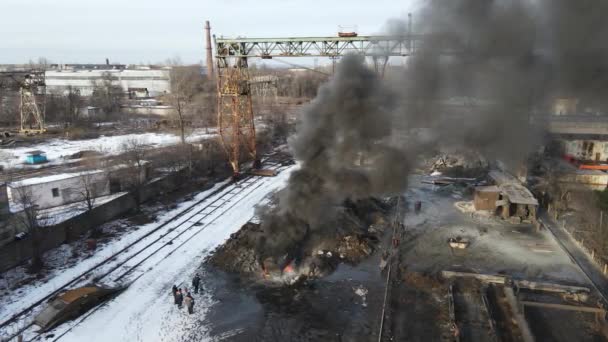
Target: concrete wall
x: 149, y: 110
x: 486, y: 200
x: 18, y: 252
x: 578, y: 125
x: 10, y: 226
x: 157, y: 81
x: 565, y: 107
x: 4, y: 207
x: 596, y: 150
x: 68, y: 190
x: 590, y: 179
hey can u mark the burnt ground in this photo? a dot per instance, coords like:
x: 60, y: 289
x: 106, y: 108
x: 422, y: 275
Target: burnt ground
x: 558, y: 325
x: 470, y: 311
x: 329, y: 309
x: 326, y: 309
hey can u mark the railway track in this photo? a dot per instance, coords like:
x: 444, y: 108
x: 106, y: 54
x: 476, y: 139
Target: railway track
x: 187, y: 224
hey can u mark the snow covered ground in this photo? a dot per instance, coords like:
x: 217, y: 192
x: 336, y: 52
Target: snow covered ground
x: 57, y: 149
x: 144, y: 312
x: 31, y: 293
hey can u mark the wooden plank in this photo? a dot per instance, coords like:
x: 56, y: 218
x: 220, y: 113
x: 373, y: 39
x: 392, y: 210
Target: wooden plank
x: 563, y: 307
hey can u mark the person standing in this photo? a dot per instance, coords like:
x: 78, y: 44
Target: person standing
x: 196, y: 282
x: 179, y: 298
x: 189, y: 303
x: 174, y: 293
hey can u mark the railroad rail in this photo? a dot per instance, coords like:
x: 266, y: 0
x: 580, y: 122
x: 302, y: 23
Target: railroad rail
x: 191, y: 218
x: 392, y: 258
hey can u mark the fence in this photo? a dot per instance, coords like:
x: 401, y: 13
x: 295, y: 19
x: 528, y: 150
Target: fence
x: 583, y: 244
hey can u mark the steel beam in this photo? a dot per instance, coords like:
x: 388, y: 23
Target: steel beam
x: 235, y: 116
x: 378, y: 46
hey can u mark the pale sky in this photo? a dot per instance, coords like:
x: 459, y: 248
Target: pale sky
x: 151, y: 31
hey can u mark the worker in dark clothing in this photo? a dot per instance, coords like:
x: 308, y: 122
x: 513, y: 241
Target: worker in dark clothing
x: 196, y: 282
x: 189, y: 303
x: 174, y: 293
x: 179, y: 298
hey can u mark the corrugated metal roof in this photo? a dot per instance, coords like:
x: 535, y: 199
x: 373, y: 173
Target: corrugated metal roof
x: 502, y: 177
x: 518, y: 194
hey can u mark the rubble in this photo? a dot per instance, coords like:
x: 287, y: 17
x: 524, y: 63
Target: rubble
x: 355, y: 236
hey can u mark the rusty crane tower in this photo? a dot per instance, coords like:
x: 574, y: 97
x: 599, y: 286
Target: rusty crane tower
x: 32, y: 93
x: 235, y: 112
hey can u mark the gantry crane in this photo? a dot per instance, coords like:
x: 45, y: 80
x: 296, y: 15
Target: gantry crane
x: 235, y: 113
x: 31, y: 85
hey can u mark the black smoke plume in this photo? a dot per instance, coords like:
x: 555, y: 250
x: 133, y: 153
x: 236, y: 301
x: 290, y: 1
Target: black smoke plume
x: 344, y: 149
x: 480, y: 80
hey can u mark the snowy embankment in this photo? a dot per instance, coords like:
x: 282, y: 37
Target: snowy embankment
x: 148, y: 298
x: 31, y: 293
x: 145, y: 311
x: 58, y: 149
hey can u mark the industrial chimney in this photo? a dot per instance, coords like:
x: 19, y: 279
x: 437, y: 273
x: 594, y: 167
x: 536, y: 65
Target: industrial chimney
x: 209, y: 50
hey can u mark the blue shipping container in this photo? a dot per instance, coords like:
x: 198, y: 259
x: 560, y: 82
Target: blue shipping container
x: 35, y: 159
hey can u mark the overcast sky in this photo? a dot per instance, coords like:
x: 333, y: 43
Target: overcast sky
x: 151, y: 31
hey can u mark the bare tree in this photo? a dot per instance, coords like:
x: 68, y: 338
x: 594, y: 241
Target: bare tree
x: 186, y: 84
x: 135, y: 169
x: 73, y: 103
x: 89, y: 189
x: 106, y: 94
x: 29, y: 217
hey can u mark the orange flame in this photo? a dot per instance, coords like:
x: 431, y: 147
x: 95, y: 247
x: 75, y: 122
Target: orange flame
x: 288, y: 268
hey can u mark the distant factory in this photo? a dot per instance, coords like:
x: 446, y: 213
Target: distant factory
x: 143, y: 81
x: 582, y: 136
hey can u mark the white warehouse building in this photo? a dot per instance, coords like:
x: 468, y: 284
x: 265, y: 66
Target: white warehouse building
x: 84, y: 77
x: 65, y: 188
x: 55, y: 190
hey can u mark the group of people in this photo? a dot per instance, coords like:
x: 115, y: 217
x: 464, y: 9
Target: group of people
x: 183, y: 296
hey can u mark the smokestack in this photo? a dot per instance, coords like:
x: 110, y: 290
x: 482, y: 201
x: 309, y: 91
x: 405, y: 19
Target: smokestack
x: 409, y: 32
x: 209, y: 50
x: 107, y: 61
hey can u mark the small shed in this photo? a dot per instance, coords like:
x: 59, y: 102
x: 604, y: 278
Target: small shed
x: 486, y: 197
x: 519, y: 202
x: 35, y: 157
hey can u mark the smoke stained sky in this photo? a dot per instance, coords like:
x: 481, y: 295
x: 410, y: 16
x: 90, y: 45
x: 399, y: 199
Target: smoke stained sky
x: 76, y: 31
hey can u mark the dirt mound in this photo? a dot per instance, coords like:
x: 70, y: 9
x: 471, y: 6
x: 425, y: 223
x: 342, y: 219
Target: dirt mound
x: 354, y: 237
x: 422, y: 281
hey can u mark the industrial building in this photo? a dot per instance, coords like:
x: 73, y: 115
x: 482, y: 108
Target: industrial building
x: 144, y: 81
x: 55, y: 190
x: 60, y: 189
x: 586, y: 149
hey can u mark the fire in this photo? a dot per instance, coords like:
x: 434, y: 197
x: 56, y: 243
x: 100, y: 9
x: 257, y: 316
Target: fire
x: 289, y: 268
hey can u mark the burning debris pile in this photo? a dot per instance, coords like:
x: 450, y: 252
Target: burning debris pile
x: 356, y: 231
